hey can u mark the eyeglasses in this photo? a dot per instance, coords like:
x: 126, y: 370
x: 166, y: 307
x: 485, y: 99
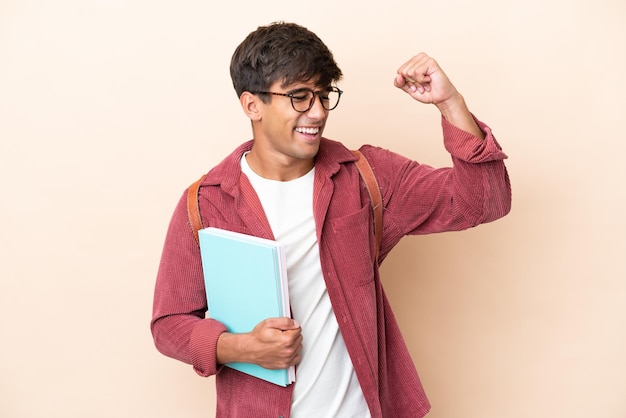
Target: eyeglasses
x: 302, y: 99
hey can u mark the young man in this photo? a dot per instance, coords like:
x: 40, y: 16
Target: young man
x: 291, y: 184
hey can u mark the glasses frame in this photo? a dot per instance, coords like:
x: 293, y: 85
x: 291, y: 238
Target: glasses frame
x: 291, y: 94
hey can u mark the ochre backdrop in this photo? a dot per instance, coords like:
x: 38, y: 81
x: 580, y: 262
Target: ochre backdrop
x: 110, y: 108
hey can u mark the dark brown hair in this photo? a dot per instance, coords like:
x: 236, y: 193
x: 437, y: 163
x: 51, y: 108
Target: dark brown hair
x: 281, y: 51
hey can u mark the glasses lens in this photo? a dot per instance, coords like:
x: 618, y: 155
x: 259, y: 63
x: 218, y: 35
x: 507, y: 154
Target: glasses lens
x: 330, y: 99
x: 302, y: 100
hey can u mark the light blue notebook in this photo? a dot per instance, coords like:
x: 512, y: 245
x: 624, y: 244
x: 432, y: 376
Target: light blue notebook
x: 246, y: 282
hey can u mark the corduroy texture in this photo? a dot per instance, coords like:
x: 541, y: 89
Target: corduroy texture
x: 417, y: 199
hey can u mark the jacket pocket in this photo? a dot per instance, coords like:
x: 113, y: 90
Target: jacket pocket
x: 351, y: 247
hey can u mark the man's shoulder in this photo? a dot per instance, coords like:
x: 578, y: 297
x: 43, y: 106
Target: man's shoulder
x: 227, y: 169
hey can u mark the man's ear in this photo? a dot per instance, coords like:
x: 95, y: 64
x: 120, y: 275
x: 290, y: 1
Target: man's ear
x: 251, y: 105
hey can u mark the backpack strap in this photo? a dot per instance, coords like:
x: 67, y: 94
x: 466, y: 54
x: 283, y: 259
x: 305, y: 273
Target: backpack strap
x: 375, y: 197
x: 365, y: 170
x: 193, y: 208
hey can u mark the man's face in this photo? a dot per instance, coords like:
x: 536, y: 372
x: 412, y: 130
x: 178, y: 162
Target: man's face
x: 286, y: 133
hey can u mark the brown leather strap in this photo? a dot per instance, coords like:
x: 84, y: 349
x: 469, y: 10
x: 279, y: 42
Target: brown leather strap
x: 374, y: 191
x: 193, y: 208
x: 195, y: 220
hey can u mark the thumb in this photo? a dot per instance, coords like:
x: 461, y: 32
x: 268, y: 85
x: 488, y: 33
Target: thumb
x: 399, y: 81
x: 283, y: 324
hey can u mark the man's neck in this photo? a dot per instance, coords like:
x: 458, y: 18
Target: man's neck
x: 278, y: 170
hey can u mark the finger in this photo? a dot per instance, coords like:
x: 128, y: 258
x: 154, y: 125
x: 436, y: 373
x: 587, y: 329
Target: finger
x: 413, y: 65
x: 297, y: 357
x: 411, y: 86
x: 282, y: 324
x: 407, y: 84
x: 291, y: 339
x: 399, y: 81
x: 297, y: 354
x: 419, y: 70
x: 418, y: 75
x: 415, y: 82
x: 291, y: 352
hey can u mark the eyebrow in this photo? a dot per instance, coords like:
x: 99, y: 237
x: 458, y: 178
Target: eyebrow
x: 298, y: 89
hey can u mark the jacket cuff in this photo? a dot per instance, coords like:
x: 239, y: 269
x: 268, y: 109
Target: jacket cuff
x: 203, y: 346
x: 469, y: 148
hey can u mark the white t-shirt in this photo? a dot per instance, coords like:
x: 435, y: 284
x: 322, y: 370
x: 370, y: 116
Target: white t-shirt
x: 326, y: 383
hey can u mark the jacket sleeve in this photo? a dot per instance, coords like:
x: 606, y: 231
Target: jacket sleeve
x: 179, y: 327
x: 420, y: 199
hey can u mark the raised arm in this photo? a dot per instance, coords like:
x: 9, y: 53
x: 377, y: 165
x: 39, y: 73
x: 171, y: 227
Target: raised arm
x: 423, y: 79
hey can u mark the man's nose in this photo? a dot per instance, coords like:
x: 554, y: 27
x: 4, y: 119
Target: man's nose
x: 317, y: 110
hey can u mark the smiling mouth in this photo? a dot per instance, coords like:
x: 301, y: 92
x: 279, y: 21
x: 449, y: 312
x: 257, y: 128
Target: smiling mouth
x: 308, y: 131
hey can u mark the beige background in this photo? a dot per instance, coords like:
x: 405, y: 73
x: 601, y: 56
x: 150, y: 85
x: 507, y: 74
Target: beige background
x: 110, y: 108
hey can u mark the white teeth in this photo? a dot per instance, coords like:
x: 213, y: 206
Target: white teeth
x: 311, y: 131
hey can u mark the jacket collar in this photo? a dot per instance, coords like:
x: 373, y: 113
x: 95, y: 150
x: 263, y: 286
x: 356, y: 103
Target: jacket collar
x: 328, y: 161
